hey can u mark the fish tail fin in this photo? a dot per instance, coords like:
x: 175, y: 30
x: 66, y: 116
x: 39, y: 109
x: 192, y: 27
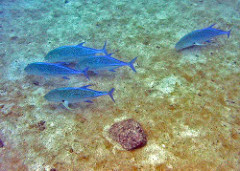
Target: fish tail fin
x: 110, y: 93
x: 228, y: 33
x: 85, y: 72
x: 131, y: 64
x: 104, y: 50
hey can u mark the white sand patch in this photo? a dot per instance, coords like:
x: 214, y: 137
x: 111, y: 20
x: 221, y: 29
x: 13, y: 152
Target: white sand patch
x: 164, y: 86
x: 186, y: 132
x: 155, y: 154
x: 120, y: 119
x: 167, y: 85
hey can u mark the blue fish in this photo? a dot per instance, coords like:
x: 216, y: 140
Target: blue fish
x: 52, y: 69
x: 200, y: 37
x: 96, y: 63
x: 68, y: 95
x: 74, y: 53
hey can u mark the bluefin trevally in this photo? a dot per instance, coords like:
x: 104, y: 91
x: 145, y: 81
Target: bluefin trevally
x: 73, y: 53
x: 96, y: 63
x: 200, y: 37
x: 68, y: 95
x: 52, y: 69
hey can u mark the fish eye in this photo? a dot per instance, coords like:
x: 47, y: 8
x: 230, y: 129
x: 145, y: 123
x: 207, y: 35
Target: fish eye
x: 63, y: 101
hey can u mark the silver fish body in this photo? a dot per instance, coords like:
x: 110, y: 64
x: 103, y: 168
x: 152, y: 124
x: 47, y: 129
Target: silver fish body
x: 107, y: 62
x: 51, y: 69
x: 75, y: 94
x: 72, y: 53
x: 200, y: 37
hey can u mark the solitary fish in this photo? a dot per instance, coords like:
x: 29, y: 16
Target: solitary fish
x: 107, y: 62
x: 52, y: 69
x: 200, y: 37
x: 68, y: 95
x: 73, y: 53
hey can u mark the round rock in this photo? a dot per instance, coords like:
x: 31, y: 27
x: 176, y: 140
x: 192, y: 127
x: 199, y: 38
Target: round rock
x: 129, y: 134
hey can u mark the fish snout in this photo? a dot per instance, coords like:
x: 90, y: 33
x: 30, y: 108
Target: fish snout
x: 47, y: 97
x: 47, y: 57
x: 178, y: 47
x: 50, y: 96
x: 27, y: 69
x: 183, y: 45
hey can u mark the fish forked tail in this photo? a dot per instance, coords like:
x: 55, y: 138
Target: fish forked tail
x: 131, y: 64
x: 110, y: 93
x: 228, y: 33
x: 85, y: 72
x: 104, y: 50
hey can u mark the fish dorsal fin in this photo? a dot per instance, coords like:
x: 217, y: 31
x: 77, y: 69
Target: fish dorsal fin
x: 81, y: 44
x: 110, y: 54
x: 86, y: 86
x: 211, y: 26
x: 61, y: 63
x: 88, y: 101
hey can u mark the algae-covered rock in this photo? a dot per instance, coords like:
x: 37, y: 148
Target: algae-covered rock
x: 129, y: 134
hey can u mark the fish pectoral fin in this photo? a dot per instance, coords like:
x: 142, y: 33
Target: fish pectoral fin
x: 199, y: 44
x: 112, y: 70
x: 62, y: 63
x: 212, y: 41
x: 66, y: 78
x: 89, y: 101
x: 203, y: 43
x: 208, y: 41
x: 65, y: 104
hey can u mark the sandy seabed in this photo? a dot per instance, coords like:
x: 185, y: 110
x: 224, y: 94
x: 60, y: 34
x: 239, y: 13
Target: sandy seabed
x: 187, y: 102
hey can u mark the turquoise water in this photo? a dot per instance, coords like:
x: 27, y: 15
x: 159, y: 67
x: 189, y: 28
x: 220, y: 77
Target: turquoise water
x: 187, y: 101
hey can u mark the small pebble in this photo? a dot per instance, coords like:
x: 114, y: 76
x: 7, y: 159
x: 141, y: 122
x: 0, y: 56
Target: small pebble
x: 41, y: 125
x: 36, y: 83
x: 14, y: 38
x: 1, y: 143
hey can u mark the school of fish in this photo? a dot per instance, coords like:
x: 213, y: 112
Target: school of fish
x: 85, y: 59
x: 89, y: 59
